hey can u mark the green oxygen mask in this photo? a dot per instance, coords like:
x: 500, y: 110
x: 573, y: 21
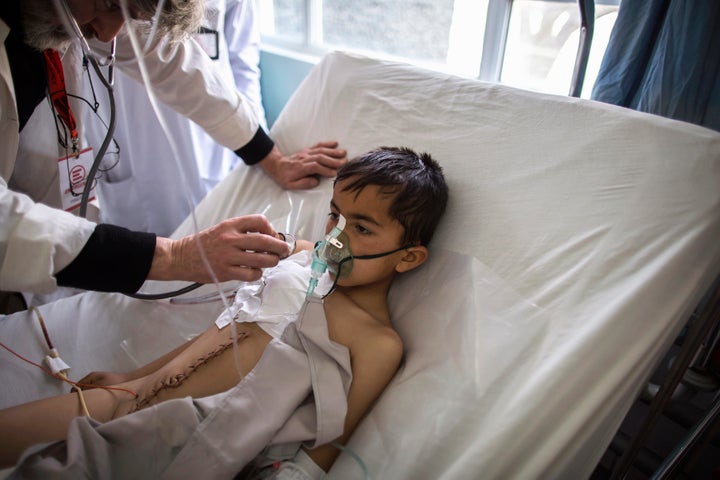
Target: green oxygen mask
x: 327, y: 252
x: 334, y: 254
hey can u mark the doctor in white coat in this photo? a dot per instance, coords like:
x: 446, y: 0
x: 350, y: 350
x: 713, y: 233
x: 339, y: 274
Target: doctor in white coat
x: 130, y: 193
x: 43, y: 246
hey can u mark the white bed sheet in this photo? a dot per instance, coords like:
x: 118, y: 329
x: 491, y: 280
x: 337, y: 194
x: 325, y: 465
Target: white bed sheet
x: 579, y: 236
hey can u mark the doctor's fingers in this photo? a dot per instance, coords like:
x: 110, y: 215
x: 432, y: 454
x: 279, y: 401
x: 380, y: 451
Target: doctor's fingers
x: 329, y: 149
x: 320, y: 165
x: 302, y: 176
x: 247, y: 223
x: 238, y: 244
x: 305, y: 174
x: 328, y: 157
x: 248, y: 241
x: 232, y: 262
x: 323, y: 152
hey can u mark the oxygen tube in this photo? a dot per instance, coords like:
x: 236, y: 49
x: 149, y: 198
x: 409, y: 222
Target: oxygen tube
x: 319, y: 263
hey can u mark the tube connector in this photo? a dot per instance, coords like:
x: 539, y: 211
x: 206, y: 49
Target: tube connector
x: 317, y: 268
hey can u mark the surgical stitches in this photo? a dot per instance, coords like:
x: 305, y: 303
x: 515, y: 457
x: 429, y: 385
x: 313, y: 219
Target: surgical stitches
x: 175, y: 380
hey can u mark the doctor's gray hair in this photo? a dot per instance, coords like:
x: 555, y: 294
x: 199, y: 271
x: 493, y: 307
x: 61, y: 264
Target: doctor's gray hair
x: 178, y: 19
x: 415, y: 181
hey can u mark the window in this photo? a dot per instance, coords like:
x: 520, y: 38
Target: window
x: 283, y: 21
x: 525, y: 43
x: 542, y: 43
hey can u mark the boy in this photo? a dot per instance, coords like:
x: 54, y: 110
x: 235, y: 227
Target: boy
x: 389, y: 202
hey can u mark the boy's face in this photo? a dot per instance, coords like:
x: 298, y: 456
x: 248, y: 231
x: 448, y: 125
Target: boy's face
x: 370, y: 230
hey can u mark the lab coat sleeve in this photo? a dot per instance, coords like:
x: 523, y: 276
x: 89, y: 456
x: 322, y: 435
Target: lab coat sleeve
x: 183, y: 76
x: 114, y: 259
x: 36, y: 241
x: 242, y: 35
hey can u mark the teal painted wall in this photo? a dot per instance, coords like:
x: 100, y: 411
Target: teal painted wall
x: 280, y: 75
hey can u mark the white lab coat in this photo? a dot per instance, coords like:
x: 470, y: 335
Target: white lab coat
x: 36, y: 241
x: 153, y: 187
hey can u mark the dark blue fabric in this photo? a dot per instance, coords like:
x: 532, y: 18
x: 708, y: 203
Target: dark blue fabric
x: 664, y: 58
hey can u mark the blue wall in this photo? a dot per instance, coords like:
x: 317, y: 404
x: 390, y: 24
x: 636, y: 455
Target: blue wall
x: 280, y: 75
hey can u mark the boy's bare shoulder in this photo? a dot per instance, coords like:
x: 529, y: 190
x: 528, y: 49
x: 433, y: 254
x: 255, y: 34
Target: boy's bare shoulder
x: 357, y: 329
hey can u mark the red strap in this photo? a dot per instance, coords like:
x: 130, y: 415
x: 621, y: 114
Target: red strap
x: 58, y: 94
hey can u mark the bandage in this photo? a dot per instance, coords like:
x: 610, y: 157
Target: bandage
x: 55, y: 363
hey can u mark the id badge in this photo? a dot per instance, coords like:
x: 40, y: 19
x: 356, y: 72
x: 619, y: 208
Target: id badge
x: 209, y: 41
x: 73, y: 175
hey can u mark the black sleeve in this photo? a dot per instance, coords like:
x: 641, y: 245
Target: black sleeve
x: 257, y: 148
x: 114, y: 259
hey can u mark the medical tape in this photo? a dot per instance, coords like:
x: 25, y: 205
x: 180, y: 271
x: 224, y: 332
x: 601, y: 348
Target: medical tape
x: 55, y: 363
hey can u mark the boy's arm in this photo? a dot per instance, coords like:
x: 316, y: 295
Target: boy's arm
x: 375, y: 359
x: 112, y: 378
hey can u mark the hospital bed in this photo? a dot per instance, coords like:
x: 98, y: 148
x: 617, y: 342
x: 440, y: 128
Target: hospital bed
x: 579, y: 238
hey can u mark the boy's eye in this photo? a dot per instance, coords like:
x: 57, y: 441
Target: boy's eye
x: 362, y: 229
x: 333, y: 216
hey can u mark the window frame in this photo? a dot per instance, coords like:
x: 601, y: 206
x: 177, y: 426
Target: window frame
x: 493, y: 50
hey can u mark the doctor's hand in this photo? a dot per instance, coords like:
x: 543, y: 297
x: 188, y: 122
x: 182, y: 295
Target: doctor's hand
x: 237, y: 249
x: 302, y: 169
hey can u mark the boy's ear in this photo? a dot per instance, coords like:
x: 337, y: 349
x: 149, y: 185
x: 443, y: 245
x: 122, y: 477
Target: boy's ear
x: 413, y: 257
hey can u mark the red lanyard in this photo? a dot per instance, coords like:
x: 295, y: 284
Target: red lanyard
x: 58, y: 94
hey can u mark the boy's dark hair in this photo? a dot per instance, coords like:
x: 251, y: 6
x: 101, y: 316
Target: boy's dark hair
x: 415, y: 180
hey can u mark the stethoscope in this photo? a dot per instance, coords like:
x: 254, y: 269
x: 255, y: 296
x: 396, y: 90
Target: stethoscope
x: 107, y: 82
